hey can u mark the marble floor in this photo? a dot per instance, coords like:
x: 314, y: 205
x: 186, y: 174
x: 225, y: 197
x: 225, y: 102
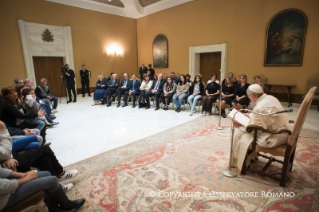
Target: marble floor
x: 87, y: 130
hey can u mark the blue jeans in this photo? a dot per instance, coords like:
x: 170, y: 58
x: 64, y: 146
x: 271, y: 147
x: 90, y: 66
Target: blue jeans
x: 179, y: 101
x: 54, y: 100
x: 46, y: 108
x: 35, y: 130
x: 25, y: 143
x: 40, y: 122
x: 44, y: 182
x: 193, y: 103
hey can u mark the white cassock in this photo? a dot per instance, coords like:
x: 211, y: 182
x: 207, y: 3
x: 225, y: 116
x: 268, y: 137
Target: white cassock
x: 265, y: 104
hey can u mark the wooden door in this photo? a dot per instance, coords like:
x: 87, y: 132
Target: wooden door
x: 50, y: 69
x: 210, y: 63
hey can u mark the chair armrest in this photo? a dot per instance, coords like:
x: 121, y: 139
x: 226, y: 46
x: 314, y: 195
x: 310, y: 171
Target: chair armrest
x: 251, y: 128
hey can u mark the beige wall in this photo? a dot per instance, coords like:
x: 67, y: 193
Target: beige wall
x: 242, y: 24
x: 91, y: 33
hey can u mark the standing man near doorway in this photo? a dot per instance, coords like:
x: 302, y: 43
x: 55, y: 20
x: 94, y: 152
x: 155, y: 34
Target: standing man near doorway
x: 70, y: 83
x: 85, y: 80
x: 142, y: 71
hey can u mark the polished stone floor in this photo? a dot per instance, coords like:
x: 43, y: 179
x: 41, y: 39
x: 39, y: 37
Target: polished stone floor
x: 87, y: 130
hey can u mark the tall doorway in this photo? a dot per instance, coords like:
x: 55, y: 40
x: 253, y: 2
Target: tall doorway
x: 210, y: 63
x: 50, y: 69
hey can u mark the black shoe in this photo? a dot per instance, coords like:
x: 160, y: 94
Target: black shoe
x: 83, y: 96
x: 223, y: 114
x: 90, y: 95
x: 74, y: 101
x: 108, y: 105
x: 118, y: 105
x: 157, y: 108
x: 147, y: 107
x: 133, y: 106
x: 65, y: 203
x: 178, y: 109
x: 124, y: 105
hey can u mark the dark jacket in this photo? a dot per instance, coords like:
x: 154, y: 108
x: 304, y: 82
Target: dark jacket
x: 99, y: 84
x: 127, y: 84
x: 70, y: 79
x: 160, y: 86
x: 201, y: 89
x: 136, y: 87
x: 41, y: 92
x: 142, y: 70
x: 115, y: 85
x: 176, y: 80
x: 152, y: 72
x: 9, y: 114
x: 84, y: 76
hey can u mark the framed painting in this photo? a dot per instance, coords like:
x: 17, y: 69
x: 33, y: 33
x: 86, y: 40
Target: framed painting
x: 286, y: 38
x: 160, y: 51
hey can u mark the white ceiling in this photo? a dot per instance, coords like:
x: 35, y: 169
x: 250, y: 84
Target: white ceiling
x: 131, y: 9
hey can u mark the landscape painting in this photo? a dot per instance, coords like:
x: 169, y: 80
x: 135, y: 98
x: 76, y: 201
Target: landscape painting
x: 285, y: 39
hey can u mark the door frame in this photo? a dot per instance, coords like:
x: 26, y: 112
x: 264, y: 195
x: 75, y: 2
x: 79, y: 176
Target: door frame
x: 194, y: 57
x: 31, y: 48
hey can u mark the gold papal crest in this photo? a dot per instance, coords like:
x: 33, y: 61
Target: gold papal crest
x: 46, y: 36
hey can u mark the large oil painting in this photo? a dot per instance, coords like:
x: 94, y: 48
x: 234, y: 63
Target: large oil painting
x: 286, y: 38
x: 160, y: 51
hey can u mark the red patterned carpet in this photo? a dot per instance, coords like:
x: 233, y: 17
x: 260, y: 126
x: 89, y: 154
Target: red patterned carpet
x: 146, y: 175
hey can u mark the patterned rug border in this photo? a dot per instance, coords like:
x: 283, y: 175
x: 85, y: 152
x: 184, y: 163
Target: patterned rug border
x: 133, y: 143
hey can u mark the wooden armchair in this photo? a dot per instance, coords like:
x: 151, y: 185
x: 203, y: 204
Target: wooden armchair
x: 286, y: 150
x: 31, y: 203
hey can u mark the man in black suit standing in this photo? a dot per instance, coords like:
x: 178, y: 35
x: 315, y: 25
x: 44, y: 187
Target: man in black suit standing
x: 113, y: 84
x: 143, y: 70
x: 157, y: 90
x: 151, y: 70
x: 70, y: 83
x: 124, y: 86
x: 85, y: 80
x: 134, y: 90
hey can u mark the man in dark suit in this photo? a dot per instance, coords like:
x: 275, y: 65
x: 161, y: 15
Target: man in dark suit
x: 151, y: 70
x: 85, y: 80
x: 157, y: 90
x: 134, y: 90
x: 70, y: 83
x: 112, y: 84
x: 124, y: 86
x: 143, y: 70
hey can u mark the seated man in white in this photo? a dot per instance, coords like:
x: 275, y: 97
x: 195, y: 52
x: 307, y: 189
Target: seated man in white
x: 265, y: 104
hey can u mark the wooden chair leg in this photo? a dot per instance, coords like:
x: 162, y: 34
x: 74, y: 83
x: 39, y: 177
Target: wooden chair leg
x: 284, y: 172
x: 292, y: 160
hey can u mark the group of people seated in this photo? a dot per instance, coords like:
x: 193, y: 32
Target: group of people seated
x: 166, y: 89
x: 25, y: 114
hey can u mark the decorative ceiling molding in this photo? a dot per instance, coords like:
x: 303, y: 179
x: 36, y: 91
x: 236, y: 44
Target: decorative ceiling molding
x: 132, y: 8
x: 117, y: 3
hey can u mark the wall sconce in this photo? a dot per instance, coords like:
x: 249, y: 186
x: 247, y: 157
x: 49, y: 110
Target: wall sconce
x: 114, y: 50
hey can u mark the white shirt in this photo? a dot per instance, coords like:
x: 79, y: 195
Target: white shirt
x: 149, y: 85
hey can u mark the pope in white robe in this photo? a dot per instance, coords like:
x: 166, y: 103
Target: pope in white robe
x: 265, y: 104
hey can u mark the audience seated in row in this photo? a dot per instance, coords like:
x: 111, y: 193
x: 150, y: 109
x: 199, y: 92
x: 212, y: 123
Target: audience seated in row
x: 165, y: 89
